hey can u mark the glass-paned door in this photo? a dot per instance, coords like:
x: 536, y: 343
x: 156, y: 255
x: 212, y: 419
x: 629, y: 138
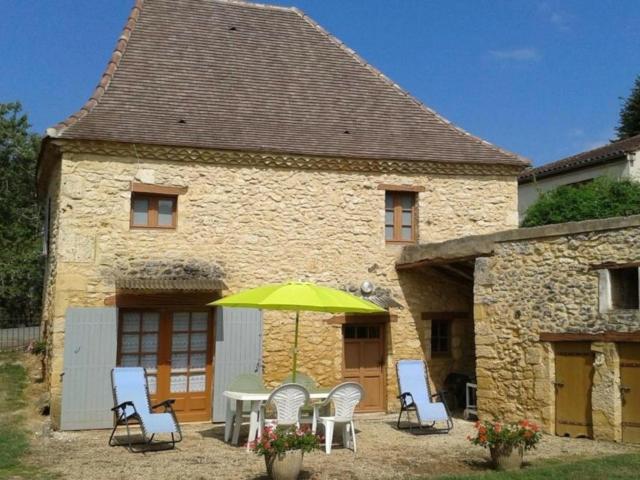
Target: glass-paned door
x: 176, y: 348
x: 191, y: 367
x: 189, y: 351
x: 139, y: 335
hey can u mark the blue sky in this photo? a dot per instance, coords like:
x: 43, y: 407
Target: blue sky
x: 540, y: 78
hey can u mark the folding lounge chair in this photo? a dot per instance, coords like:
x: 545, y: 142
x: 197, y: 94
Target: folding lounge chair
x: 415, y: 396
x: 132, y: 407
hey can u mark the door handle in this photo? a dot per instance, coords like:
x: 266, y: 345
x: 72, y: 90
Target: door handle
x: 559, y: 384
x: 625, y: 388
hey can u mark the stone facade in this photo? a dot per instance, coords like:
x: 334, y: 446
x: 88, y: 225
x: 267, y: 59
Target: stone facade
x: 547, y: 280
x: 257, y: 224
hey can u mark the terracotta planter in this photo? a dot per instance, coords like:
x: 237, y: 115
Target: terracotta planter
x: 507, y: 458
x: 284, y: 466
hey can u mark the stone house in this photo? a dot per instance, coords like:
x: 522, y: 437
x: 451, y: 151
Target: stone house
x: 228, y: 145
x: 557, y: 322
x: 619, y: 159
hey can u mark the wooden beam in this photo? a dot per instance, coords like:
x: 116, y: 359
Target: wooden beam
x: 430, y: 262
x: 453, y: 275
x: 590, y: 337
x: 157, y: 189
x: 401, y: 188
x: 613, y: 265
x: 161, y: 299
x: 446, y: 315
x: 351, y: 319
x: 458, y: 271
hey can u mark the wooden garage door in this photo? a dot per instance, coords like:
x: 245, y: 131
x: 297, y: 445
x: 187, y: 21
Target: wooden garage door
x: 574, y: 380
x: 364, y: 363
x: 630, y: 390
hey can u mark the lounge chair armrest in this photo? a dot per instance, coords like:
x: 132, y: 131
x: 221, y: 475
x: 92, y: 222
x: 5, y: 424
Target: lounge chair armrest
x: 123, y: 405
x: 439, y: 395
x: 406, y: 399
x: 167, y: 404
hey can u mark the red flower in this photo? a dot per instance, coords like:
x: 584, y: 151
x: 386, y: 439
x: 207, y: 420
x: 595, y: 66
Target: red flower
x: 497, y: 427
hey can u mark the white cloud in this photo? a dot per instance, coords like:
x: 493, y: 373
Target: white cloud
x: 516, y: 54
x: 560, y: 20
x: 576, y: 132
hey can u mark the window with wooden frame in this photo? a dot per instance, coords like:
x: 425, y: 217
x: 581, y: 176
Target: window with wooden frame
x: 440, y: 338
x: 400, y: 217
x: 153, y: 211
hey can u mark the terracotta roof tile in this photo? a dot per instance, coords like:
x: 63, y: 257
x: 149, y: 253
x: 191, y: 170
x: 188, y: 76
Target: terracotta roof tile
x: 235, y: 75
x: 596, y: 156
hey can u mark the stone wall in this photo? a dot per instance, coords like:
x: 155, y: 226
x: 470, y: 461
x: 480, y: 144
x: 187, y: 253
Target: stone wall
x: 263, y: 225
x: 52, y: 205
x: 547, y: 284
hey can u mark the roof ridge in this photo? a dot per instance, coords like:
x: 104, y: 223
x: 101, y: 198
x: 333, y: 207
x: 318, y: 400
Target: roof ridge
x: 107, y: 75
x: 340, y: 44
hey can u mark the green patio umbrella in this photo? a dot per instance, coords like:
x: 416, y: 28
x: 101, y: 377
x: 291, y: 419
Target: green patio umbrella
x: 299, y: 297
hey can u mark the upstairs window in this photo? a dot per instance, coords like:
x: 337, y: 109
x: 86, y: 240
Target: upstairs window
x: 400, y: 216
x: 153, y: 211
x: 154, y: 206
x: 624, y: 288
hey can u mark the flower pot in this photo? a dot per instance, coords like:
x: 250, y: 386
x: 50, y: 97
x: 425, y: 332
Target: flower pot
x: 506, y: 457
x: 284, y: 466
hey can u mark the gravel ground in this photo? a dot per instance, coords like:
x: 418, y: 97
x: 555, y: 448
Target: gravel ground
x: 383, y: 453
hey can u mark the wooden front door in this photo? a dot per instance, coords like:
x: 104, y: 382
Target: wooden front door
x: 630, y: 389
x: 363, y: 363
x: 176, y: 348
x: 574, y: 380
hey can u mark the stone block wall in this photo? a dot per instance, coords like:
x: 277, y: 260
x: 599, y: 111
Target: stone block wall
x: 260, y: 225
x: 540, y: 285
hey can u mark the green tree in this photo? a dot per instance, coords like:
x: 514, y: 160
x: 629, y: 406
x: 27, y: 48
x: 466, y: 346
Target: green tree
x: 21, y: 262
x: 602, y: 198
x: 629, y: 123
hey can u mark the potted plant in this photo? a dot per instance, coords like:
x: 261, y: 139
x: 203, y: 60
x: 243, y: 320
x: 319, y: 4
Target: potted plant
x: 507, y: 442
x: 283, y: 449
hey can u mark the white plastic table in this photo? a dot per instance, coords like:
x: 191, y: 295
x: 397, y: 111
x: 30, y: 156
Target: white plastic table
x: 232, y: 429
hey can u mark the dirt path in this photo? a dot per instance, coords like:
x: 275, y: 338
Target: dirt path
x: 383, y: 453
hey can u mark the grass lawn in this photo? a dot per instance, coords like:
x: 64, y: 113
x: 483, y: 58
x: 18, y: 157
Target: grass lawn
x: 14, y: 441
x: 617, y: 467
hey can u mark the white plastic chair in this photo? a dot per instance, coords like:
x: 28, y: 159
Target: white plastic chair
x: 288, y: 400
x: 345, y: 397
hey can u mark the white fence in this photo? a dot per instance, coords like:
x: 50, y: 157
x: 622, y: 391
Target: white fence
x: 18, y: 338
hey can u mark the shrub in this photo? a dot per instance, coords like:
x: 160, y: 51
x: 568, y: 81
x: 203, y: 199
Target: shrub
x: 281, y: 439
x: 523, y: 434
x: 602, y: 198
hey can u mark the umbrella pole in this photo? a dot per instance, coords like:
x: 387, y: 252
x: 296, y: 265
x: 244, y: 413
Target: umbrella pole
x: 295, y: 349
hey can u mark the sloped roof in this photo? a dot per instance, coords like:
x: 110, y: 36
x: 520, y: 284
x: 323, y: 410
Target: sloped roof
x: 612, y: 151
x: 235, y: 75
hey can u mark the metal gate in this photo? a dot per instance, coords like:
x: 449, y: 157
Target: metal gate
x: 238, y: 350
x: 90, y: 342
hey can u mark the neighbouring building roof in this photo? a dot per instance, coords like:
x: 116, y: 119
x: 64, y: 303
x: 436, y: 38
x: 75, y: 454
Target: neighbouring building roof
x: 614, y: 150
x: 235, y: 75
